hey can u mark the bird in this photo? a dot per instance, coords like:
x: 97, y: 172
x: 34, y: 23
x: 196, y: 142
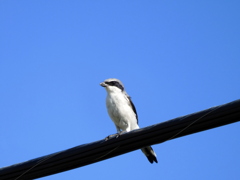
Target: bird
x: 123, y: 112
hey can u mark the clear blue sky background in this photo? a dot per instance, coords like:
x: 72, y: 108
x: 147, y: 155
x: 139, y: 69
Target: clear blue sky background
x: 174, y: 57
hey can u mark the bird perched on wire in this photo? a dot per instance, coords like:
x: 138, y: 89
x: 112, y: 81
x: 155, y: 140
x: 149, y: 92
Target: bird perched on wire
x: 123, y: 112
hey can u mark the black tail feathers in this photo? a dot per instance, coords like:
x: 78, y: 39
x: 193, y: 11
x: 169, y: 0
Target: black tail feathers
x: 150, y: 154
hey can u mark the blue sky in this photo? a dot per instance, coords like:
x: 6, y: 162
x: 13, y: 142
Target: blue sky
x: 174, y: 58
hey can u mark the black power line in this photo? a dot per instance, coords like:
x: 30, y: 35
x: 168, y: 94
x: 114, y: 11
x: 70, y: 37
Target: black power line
x: 100, y: 150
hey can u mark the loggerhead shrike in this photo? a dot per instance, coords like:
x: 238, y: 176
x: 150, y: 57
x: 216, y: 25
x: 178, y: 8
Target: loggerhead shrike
x: 123, y: 112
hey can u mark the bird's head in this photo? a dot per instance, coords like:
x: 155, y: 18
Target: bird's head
x: 113, y: 85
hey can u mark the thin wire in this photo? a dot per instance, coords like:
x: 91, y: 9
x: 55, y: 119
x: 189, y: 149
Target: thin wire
x: 50, y: 156
x: 107, y: 153
x: 192, y: 123
x: 41, y: 161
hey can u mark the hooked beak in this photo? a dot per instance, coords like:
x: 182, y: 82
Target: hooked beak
x: 103, y: 84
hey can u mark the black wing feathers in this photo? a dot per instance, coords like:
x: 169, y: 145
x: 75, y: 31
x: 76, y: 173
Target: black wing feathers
x: 133, y: 107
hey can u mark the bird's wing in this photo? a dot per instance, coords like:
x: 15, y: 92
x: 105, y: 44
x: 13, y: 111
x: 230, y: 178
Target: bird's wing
x: 132, y: 106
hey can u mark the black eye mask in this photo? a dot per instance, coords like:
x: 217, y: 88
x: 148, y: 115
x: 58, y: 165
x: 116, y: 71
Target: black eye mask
x: 115, y: 83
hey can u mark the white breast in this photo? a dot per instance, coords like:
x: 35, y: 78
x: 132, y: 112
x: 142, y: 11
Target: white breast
x: 121, y: 112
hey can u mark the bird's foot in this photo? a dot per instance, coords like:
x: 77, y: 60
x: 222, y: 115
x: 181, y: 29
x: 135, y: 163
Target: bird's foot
x: 114, y: 135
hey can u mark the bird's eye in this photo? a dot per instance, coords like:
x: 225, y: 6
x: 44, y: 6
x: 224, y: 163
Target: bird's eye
x: 112, y: 83
x: 115, y: 83
x: 109, y: 83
